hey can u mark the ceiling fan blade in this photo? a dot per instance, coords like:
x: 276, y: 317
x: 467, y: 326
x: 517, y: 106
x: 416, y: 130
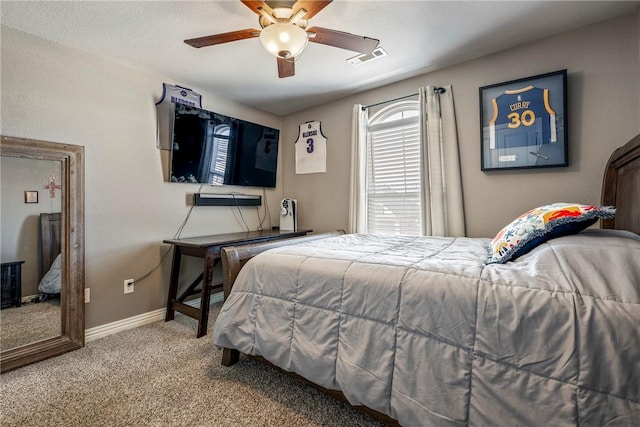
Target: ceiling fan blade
x: 256, y: 6
x: 286, y: 67
x: 342, y: 40
x: 223, y: 38
x: 311, y: 6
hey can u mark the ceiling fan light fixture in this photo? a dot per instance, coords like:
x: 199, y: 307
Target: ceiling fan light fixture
x: 283, y: 40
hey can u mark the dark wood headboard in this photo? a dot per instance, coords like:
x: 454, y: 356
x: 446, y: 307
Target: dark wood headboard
x: 50, y: 234
x: 621, y: 187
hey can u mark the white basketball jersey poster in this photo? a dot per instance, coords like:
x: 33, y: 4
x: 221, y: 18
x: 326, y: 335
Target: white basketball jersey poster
x: 165, y: 108
x: 311, y: 149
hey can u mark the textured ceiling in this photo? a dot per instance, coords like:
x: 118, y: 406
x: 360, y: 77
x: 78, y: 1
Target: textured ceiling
x: 419, y: 36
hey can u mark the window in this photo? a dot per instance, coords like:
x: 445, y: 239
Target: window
x: 218, y: 163
x: 393, y: 170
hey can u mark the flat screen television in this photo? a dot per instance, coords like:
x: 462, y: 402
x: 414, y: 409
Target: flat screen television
x: 210, y: 148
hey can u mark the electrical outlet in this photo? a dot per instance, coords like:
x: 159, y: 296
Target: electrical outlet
x: 128, y: 286
x: 87, y: 295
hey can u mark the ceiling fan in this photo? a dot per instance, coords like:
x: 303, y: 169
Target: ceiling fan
x: 285, y: 34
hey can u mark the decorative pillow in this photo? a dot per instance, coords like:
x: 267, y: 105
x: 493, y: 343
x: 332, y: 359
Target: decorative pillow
x: 541, y: 224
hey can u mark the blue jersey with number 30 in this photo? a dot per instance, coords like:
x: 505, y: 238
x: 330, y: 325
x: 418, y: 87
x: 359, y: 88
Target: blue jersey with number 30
x: 522, y: 117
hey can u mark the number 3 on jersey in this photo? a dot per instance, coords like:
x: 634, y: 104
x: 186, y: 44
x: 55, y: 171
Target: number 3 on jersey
x: 311, y: 149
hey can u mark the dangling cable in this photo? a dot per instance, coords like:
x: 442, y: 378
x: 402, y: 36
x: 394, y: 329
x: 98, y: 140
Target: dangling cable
x: 240, y: 212
x: 175, y: 236
x: 266, y: 206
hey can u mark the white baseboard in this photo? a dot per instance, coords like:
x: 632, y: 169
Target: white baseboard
x: 101, y: 331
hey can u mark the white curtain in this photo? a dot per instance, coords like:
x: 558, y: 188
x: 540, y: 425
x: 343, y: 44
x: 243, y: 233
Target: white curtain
x: 443, y: 211
x: 358, y: 191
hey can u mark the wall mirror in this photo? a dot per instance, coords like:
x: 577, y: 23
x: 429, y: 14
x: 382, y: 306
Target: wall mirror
x: 42, y: 228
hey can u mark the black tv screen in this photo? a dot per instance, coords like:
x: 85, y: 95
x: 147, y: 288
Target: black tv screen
x: 210, y: 148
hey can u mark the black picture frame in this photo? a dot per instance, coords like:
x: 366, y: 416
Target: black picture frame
x: 523, y: 123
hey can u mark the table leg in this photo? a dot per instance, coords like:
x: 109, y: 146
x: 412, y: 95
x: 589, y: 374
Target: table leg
x: 205, y: 292
x: 18, y: 299
x: 173, y: 283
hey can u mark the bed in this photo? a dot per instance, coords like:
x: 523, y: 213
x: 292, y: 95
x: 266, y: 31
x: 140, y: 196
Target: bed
x: 426, y: 331
x: 50, y: 272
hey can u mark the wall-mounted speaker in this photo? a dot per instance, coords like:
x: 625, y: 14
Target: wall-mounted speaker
x: 208, y: 199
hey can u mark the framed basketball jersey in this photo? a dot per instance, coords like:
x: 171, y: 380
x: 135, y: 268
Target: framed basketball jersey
x: 311, y: 149
x: 523, y: 123
x: 165, y: 107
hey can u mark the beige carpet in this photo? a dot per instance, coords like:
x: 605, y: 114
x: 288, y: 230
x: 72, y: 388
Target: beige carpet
x: 31, y: 322
x: 161, y: 375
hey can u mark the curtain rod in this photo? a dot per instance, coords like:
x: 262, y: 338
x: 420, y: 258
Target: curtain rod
x: 438, y: 90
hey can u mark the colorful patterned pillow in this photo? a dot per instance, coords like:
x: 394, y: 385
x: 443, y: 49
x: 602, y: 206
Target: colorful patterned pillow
x: 541, y: 224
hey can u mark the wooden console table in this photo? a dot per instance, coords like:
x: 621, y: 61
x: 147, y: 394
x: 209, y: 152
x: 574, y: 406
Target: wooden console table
x: 208, y: 247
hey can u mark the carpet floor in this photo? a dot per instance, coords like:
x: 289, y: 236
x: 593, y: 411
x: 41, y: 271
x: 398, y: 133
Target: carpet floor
x: 29, y: 323
x: 162, y: 375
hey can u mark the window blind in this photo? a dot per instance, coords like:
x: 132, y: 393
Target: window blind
x: 393, y: 177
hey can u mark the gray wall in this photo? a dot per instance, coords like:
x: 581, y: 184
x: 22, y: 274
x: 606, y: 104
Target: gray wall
x: 54, y: 93
x: 603, y: 109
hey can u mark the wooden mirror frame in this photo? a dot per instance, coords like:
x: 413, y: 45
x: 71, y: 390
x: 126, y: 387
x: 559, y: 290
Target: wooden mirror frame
x: 71, y: 336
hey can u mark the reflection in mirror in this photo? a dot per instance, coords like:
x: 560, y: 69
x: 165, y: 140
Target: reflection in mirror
x: 31, y: 283
x: 42, y: 252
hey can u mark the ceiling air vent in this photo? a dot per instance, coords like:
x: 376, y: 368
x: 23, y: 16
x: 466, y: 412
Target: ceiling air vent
x: 378, y: 52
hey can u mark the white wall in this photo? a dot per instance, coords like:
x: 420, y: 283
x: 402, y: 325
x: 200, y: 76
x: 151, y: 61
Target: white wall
x: 54, y: 93
x: 603, y: 110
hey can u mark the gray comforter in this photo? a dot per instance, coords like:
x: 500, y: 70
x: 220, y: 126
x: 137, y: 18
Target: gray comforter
x: 423, y: 330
